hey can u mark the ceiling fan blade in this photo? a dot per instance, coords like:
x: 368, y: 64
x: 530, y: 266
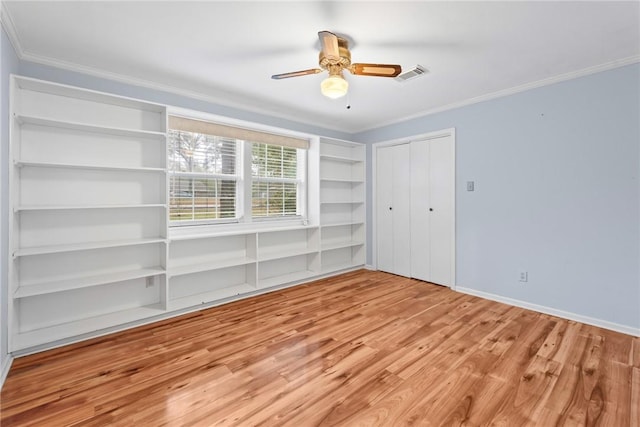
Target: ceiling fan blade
x: 329, y: 43
x: 296, y: 73
x: 377, y: 70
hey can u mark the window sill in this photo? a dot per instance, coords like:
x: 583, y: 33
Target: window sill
x: 202, y: 232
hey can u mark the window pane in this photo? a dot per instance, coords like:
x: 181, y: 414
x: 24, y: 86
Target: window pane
x: 272, y: 161
x: 201, y: 198
x: 274, y: 199
x: 196, y: 152
x: 260, y: 199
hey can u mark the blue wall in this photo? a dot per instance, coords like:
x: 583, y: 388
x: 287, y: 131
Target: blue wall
x: 556, y: 194
x: 8, y: 65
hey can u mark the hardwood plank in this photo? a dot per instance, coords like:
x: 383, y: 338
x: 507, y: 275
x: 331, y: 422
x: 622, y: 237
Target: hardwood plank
x: 635, y: 397
x: 362, y: 348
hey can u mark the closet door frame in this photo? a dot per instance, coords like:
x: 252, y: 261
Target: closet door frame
x: 374, y: 161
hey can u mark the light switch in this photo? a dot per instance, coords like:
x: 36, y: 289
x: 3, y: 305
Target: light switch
x: 470, y: 186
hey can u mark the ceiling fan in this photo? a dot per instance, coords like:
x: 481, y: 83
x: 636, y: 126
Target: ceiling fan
x: 334, y: 58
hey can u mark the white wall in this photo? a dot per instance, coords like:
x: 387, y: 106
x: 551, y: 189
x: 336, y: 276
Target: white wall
x: 556, y: 173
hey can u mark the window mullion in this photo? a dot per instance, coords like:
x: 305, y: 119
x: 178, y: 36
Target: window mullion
x: 246, y: 184
x: 193, y: 199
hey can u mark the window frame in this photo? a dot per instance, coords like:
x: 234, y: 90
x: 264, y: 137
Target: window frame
x: 244, y: 216
x: 300, y: 181
x: 237, y: 177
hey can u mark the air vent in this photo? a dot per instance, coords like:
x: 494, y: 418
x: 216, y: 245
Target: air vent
x: 413, y: 73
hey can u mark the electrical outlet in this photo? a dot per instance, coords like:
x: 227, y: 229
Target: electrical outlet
x: 150, y: 281
x: 524, y: 276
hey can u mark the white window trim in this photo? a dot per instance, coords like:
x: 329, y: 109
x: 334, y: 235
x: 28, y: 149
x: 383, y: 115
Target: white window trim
x: 301, y: 182
x: 244, y: 220
x: 201, y: 222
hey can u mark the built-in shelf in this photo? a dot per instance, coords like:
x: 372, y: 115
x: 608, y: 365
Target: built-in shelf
x: 354, y: 181
x: 342, y: 202
x: 326, y: 269
x: 36, y: 85
x: 339, y: 245
x: 66, y: 284
x: 238, y: 232
x: 342, y: 224
x: 272, y: 255
x: 22, y: 163
x: 340, y: 158
x: 286, y: 278
x: 66, y: 207
x: 71, y: 247
x: 136, y: 133
x: 57, y: 332
x: 180, y: 270
x: 211, y: 296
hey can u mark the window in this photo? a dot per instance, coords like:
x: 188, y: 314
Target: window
x: 211, y: 182
x: 202, y: 182
x: 274, y: 176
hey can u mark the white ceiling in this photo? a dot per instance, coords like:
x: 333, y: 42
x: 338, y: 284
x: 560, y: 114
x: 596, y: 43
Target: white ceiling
x: 227, y: 51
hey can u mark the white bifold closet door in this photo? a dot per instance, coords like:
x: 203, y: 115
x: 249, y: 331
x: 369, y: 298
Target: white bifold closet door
x: 394, y: 209
x: 415, y: 209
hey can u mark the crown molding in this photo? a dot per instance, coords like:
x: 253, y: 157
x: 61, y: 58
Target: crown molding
x: 10, y: 29
x: 513, y: 90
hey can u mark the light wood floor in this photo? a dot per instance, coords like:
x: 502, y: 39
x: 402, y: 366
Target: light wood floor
x: 365, y: 348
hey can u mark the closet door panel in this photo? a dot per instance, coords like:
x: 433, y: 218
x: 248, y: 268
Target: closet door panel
x: 420, y: 247
x: 384, y: 206
x: 441, y: 218
x: 402, y: 210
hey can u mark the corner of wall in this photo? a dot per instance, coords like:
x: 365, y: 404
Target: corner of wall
x: 4, y: 369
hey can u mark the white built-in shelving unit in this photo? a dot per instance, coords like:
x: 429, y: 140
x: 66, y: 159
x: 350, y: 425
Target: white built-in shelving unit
x: 89, y: 211
x: 342, y: 204
x: 90, y: 246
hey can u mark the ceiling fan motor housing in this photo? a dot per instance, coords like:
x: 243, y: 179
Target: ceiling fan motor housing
x: 336, y: 65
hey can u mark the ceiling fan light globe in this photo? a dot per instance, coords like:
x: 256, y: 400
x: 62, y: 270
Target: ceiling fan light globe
x: 334, y: 87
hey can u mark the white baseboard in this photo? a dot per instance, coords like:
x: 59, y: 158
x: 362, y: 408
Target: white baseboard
x: 369, y: 267
x: 5, y: 369
x: 629, y: 330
